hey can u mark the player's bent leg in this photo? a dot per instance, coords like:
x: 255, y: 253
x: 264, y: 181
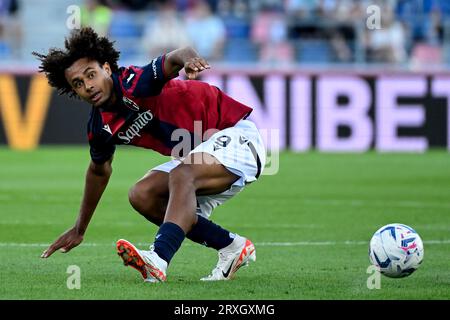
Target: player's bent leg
x: 184, y: 181
x: 241, y: 150
x: 191, y: 178
x: 207, y: 178
x: 149, y: 196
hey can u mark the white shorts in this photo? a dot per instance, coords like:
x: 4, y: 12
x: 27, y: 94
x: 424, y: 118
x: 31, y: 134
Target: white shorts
x: 240, y: 149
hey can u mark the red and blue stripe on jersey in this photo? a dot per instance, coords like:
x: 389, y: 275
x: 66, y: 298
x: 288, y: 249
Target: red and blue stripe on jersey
x: 150, y: 107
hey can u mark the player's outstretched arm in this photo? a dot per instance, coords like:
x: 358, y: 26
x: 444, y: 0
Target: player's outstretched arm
x: 186, y: 58
x: 97, y: 177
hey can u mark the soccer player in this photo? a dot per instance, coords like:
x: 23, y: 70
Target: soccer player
x: 215, y: 150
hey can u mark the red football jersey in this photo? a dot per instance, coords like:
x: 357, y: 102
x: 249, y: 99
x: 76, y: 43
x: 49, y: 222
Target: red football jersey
x: 151, y: 109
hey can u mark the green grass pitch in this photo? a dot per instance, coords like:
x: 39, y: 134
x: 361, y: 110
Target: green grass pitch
x: 311, y: 224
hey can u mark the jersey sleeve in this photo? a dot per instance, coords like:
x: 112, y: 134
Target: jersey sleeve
x: 101, y: 145
x: 150, y: 79
x: 101, y: 153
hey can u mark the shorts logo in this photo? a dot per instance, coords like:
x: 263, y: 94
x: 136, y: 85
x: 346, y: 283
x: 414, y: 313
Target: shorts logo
x: 130, y: 104
x: 243, y: 140
x: 221, y: 142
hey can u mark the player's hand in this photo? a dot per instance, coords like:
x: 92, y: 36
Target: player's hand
x: 194, y: 66
x: 68, y: 240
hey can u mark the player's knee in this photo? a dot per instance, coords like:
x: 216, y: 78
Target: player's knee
x: 141, y: 197
x: 183, y: 175
x: 135, y: 197
x: 149, y: 204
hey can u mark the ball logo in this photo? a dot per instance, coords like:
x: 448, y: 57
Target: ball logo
x: 130, y: 104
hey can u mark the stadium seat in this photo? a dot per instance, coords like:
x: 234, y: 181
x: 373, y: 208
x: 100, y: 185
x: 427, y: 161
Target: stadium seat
x: 314, y: 51
x: 240, y: 50
x: 124, y: 24
x: 127, y: 29
x: 237, y: 28
x: 5, y: 50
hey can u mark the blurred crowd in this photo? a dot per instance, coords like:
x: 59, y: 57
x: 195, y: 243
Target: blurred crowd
x: 269, y: 31
x: 10, y: 29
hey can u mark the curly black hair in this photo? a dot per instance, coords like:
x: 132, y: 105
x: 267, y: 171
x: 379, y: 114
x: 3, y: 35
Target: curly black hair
x: 82, y: 43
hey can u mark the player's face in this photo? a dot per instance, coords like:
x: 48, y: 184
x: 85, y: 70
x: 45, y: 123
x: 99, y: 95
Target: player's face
x: 91, y: 81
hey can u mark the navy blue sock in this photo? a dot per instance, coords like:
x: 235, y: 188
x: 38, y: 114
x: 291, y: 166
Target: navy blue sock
x: 210, y: 234
x: 168, y: 240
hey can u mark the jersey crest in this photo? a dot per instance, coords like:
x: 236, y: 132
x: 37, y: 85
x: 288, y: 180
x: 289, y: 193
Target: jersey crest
x: 130, y: 104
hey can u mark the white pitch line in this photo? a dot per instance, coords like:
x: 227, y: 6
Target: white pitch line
x: 261, y: 244
x: 375, y: 203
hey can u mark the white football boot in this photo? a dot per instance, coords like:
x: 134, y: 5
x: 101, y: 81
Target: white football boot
x: 148, y: 263
x: 239, y: 253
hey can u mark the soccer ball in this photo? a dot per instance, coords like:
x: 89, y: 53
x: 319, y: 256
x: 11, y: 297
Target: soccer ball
x: 396, y: 250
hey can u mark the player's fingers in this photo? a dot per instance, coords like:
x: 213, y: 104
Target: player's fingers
x: 47, y: 253
x: 72, y: 244
x: 192, y: 66
x: 204, y: 63
x: 192, y: 75
x: 199, y: 66
x: 68, y: 247
x: 195, y: 66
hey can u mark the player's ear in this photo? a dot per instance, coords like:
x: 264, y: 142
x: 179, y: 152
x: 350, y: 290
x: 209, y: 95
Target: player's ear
x: 107, y: 68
